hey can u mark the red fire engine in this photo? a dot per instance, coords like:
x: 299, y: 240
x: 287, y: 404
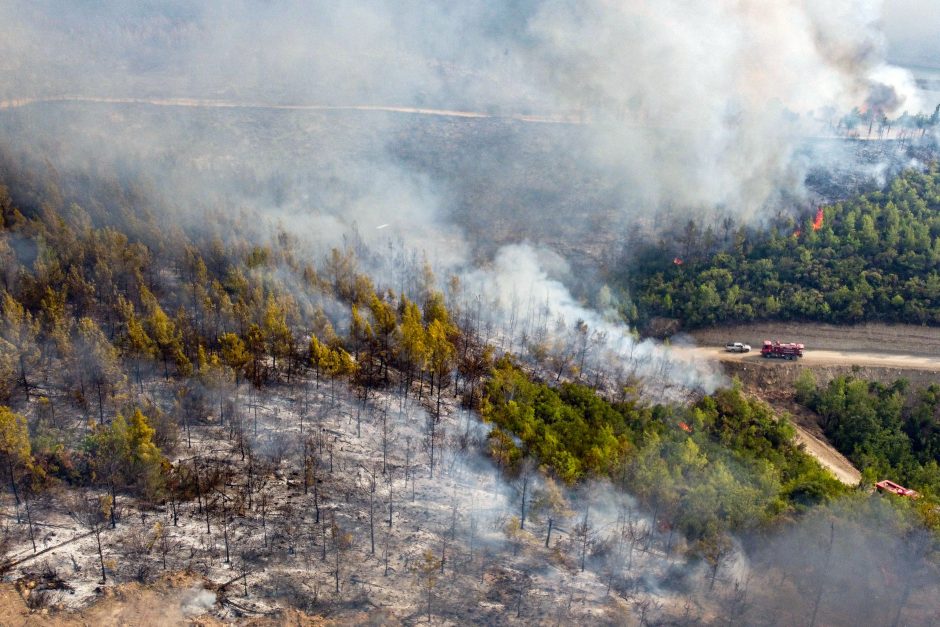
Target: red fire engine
x: 778, y: 350
x: 890, y: 486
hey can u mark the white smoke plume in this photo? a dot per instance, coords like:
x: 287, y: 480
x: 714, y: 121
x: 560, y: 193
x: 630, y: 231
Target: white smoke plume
x: 534, y: 308
x: 704, y: 103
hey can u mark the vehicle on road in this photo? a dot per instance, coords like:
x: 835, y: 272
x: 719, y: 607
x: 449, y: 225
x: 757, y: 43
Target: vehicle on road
x: 779, y: 350
x: 737, y: 347
x: 886, y: 485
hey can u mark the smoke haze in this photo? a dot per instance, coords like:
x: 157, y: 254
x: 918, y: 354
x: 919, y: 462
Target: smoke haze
x: 693, y: 105
x: 911, y: 28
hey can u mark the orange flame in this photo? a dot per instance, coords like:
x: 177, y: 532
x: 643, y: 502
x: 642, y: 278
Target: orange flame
x: 677, y: 261
x: 797, y: 233
x: 685, y: 427
x: 818, y: 222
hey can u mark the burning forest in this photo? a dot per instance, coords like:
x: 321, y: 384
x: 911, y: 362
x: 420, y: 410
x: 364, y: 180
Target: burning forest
x: 349, y: 314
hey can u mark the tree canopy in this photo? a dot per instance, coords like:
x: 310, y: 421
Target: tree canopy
x: 725, y: 462
x: 873, y: 257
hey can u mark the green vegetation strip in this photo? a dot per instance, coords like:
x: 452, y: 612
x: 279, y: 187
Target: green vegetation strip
x: 724, y: 463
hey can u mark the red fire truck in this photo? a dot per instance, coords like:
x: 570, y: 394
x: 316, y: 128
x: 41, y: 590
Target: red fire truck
x: 890, y: 486
x: 780, y: 350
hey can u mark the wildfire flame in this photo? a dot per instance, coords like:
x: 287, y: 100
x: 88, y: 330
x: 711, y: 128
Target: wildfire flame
x: 685, y: 427
x: 818, y: 222
x: 677, y: 261
x: 797, y: 233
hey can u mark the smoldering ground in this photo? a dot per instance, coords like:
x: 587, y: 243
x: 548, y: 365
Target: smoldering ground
x: 855, y: 561
x: 518, y: 539
x: 534, y: 313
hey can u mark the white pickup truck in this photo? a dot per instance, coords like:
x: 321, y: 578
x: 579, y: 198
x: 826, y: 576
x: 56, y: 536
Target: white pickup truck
x: 737, y: 347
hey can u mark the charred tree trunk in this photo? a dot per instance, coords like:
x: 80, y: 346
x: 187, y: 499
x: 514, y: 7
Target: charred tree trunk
x: 390, y: 500
x: 12, y: 471
x: 525, y: 487
x: 97, y: 530
x: 386, y: 553
x: 433, y: 427
x: 113, y: 504
x: 23, y: 375
x: 372, y: 514
x: 29, y: 517
x: 316, y: 499
x: 825, y: 570
x: 100, y: 404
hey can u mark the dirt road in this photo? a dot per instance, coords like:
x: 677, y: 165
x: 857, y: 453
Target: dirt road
x: 825, y: 454
x: 578, y: 118
x: 874, y: 338
x: 16, y: 103
x: 840, y: 348
x: 819, y: 357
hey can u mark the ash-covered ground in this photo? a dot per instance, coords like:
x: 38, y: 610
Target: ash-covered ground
x: 371, y: 533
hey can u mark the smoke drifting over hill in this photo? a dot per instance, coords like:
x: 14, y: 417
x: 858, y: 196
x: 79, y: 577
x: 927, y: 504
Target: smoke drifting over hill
x: 662, y: 110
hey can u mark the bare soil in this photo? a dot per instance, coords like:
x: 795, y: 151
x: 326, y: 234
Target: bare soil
x: 179, y: 599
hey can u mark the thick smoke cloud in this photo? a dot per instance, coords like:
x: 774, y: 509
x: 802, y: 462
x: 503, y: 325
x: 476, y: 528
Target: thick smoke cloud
x: 702, y: 105
x: 692, y: 104
x: 911, y: 28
